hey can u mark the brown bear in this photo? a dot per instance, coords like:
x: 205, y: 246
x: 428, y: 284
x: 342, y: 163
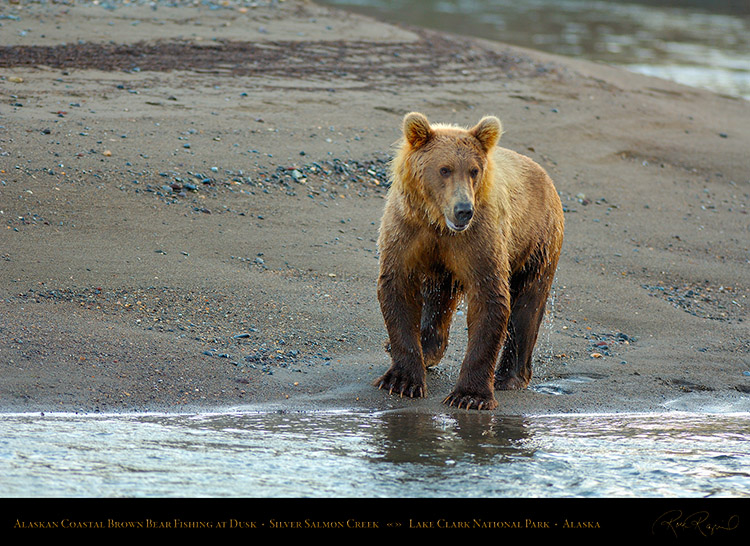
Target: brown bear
x: 465, y: 218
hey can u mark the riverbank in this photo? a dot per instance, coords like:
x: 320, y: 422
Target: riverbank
x: 189, y: 222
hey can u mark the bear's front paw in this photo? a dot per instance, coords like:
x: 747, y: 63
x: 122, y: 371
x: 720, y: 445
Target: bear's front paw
x: 402, y: 383
x: 471, y: 401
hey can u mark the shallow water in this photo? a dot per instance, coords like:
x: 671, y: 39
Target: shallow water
x: 702, y: 43
x: 382, y: 454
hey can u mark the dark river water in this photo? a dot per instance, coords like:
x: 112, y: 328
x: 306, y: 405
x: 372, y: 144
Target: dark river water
x: 702, y: 43
x: 392, y: 454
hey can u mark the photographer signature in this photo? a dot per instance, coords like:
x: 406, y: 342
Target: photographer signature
x: 699, y: 522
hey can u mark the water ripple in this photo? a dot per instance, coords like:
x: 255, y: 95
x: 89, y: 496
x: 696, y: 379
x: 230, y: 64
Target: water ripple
x: 384, y: 454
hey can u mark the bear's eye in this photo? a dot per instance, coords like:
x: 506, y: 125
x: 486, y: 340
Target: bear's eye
x: 445, y: 171
x: 474, y: 172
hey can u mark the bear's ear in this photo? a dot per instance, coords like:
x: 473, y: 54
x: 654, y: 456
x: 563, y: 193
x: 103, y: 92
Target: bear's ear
x: 417, y: 129
x: 487, y: 132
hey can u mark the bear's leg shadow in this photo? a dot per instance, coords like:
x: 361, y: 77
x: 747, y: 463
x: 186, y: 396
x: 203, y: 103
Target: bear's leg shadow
x: 440, y: 295
x: 529, y: 292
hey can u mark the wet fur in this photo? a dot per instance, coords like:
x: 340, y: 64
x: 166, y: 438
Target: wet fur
x: 503, y: 263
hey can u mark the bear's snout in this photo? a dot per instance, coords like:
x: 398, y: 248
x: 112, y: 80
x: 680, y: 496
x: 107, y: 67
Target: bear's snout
x: 463, y: 213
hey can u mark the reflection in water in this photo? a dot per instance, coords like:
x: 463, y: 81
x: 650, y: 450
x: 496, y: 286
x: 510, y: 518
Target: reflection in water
x: 445, y: 440
x: 702, y: 43
x: 384, y: 454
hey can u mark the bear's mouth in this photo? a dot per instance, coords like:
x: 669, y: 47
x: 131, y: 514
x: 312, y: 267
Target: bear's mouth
x: 458, y: 228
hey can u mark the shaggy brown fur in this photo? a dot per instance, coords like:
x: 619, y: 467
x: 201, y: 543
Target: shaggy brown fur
x: 465, y: 218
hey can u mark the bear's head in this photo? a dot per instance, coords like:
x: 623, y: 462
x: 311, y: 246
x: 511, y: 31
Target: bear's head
x: 443, y: 168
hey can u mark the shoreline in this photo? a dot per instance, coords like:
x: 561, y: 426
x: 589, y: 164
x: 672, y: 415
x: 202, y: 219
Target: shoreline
x: 150, y: 263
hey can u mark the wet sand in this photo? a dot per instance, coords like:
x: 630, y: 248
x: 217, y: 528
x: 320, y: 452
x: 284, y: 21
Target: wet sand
x: 190, y: 200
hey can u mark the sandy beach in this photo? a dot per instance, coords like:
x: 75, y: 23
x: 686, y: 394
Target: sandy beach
x: 190, y: 200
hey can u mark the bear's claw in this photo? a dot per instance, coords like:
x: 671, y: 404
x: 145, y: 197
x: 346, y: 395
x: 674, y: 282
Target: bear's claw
x: 470, y: 402
x: 402, y: 388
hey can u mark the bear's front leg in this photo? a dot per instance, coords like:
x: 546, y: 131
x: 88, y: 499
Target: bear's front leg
x: 401, y: 305
x: 487, y: 320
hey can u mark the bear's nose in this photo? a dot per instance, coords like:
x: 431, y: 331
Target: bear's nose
x: 463, y: 212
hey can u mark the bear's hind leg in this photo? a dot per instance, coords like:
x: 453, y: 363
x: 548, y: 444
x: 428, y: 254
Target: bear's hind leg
x: 440, y: 294
x: 528, y: 301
